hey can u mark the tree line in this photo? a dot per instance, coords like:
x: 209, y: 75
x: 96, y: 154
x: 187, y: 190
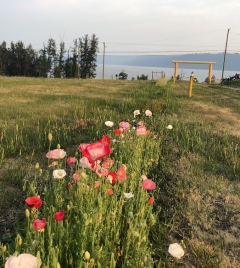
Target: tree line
x: 50, y: 61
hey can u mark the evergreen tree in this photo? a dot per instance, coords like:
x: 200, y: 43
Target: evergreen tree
x: 3, y: 58
x: 43, y: 65
x: 52, y: 56
x: 88, y: 57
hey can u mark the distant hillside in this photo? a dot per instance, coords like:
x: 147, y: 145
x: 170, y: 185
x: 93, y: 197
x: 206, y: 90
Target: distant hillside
x: 232, y: 60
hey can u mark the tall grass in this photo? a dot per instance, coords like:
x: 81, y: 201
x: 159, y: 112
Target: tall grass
x: 195, y: 166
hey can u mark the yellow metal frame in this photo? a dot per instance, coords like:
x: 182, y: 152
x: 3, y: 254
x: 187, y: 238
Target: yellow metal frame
x: 176, y: 62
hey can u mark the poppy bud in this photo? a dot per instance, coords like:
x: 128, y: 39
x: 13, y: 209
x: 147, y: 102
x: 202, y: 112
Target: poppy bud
x: 4, y: 249
x: 58, y: 147
x: 86, y: 255
x: 27, y: 213
x: 49, y: 136
x: 37, y: 166
x: 20, y: 241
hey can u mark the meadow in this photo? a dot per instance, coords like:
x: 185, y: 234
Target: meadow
x: 167, y: 185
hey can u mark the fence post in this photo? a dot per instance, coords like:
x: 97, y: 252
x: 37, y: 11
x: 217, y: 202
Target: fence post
x: 190, y: 85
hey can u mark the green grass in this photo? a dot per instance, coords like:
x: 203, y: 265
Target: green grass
x: 197, y: 172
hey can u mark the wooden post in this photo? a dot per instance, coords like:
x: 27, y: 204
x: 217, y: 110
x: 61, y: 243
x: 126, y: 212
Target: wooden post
x: 190, y: 85
x: 210, y: 73
x: 175, y: 71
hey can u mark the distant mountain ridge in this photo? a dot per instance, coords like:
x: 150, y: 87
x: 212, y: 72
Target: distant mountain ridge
x: 232, y: 62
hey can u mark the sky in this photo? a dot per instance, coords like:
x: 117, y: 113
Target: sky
x: 125, y: 26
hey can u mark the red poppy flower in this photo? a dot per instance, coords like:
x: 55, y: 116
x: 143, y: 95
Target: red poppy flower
x: 148, y: 184
x: 58, y: 216
x: 96, y: 151
x: 109, y: 191
x: 105, y: 140
x: 112, y: 177
x: 33, y: 202
x: 71, y: 160
x: 118, y: 132
x: 121, y: 173
x: 39, y: 224
x: 150, y: 200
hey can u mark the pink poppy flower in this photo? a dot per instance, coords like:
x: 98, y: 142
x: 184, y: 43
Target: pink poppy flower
x: 96, y: 151
x: 84, y: 163
x: 109, y: 191
x: 56, y: 154
x: 78, y: 175
x: 101, y: 172
x: 141, y: 130
x: 97, y: 184
x: 121, y: 173
x: 54, y: 163
x: 71, y: 161
x: 108, y: 163
x: 39, y: 224
x: 33, y: 202
x: 58, y: 216
x: 148, y: 184
x: 23, y: 260
x: 82, y: 147
x: 124, y: 125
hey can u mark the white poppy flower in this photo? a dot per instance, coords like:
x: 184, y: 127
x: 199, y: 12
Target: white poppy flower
x: 169, y: 127
x: 23, y: 260
x: 176, y: 250
x: 148, y: 113
x: 136, y: 112
x: 128, y: 195
x: 59, y: 173
x: 109, y: 123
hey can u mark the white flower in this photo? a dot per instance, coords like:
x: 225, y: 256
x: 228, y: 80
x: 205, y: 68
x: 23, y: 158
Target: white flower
x: 136, y: 112
x: 23, y: 260
x: 176, y: 250
x: 59, y: 173
x: 169, y: 127
x: 148, y: 113
x: 128, y: 195
x: 109, y: 123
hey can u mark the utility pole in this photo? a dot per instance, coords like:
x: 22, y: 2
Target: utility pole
x: 103, y: 60
x: 225, y: 53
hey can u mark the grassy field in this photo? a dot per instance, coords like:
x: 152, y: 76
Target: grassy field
x: 196, y: 165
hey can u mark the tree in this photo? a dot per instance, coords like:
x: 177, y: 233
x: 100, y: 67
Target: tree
x: 3, y: 58
x: 43, y: 65
x: 142, y: 77
x: 52, y: 55
x: 88, y: 56
x: 123, y: 76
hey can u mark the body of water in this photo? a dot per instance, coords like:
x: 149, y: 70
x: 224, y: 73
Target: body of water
x: 133, y: 71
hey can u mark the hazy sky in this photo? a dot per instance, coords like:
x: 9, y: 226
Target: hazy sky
x: 126, y: 26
